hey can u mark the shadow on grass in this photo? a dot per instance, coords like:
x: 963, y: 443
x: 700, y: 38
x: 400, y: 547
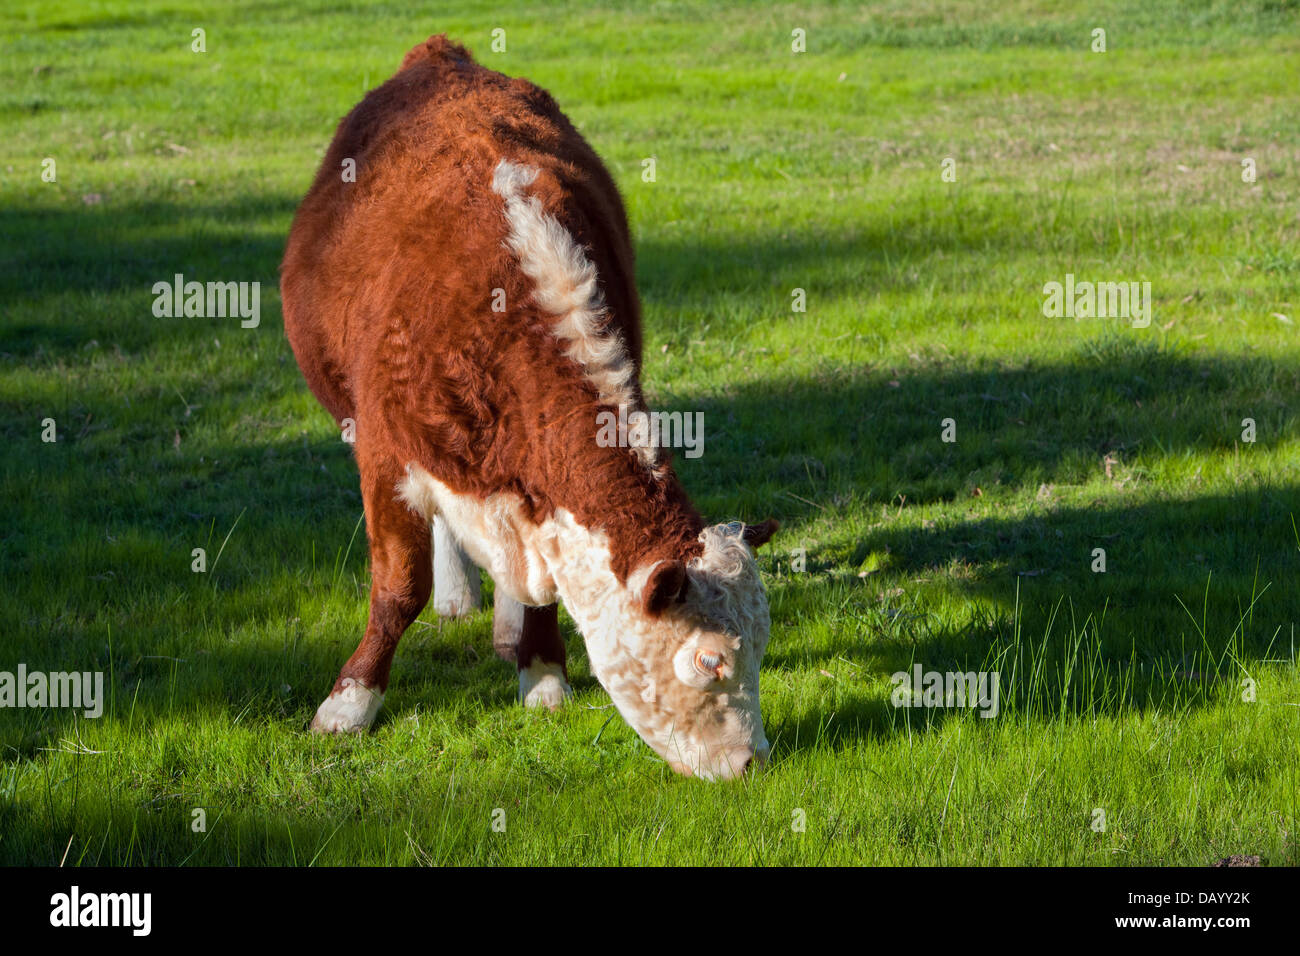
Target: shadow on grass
x: 877, y: 433
x: 62, y: 267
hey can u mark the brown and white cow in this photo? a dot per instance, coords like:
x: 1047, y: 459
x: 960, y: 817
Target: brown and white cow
x: 467, y: 299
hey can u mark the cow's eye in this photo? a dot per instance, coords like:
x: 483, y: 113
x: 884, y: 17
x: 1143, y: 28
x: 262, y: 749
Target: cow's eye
x: 709, y: 663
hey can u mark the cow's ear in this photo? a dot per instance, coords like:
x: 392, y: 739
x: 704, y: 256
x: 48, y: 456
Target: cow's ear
x: 756, y: 534
x: 665, y: 585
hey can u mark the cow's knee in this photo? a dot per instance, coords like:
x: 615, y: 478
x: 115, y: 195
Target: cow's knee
x: 507, y: 626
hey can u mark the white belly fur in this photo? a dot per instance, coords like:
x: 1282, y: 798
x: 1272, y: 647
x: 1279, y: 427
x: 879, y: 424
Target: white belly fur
x: 495, y: 533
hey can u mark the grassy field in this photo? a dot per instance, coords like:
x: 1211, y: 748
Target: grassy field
x: 1163, y: 691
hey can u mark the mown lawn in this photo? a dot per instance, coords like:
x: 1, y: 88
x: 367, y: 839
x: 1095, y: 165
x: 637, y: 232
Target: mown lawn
x: 1127, y: 691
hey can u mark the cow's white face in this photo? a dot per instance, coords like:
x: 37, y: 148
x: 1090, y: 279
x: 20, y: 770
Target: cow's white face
x: 679, y: 650
x: 677, y: 646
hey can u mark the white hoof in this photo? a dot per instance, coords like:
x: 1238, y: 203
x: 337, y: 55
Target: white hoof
x: 543, y: 685
x: 350, y: 710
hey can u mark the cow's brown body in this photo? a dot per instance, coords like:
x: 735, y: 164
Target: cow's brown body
x: 389, y: 285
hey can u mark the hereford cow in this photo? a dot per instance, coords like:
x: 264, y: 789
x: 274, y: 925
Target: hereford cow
x: 459, y: 285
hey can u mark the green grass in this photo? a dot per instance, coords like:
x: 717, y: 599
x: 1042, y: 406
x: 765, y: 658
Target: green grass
x: 1121, y: 691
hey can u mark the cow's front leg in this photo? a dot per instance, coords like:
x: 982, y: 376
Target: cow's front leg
x: 455, y: 577
x: 401, y: 578
x: 530, y: 636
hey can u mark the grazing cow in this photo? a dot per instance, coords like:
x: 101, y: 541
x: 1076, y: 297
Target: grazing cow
x: 467, y: 300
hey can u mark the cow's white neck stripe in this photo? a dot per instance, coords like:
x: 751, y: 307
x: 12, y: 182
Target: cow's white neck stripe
x: 566, y: 286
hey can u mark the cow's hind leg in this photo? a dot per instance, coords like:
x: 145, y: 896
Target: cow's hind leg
x: 401, y: 574
x: 455, y: 576
x: 530, y: 636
